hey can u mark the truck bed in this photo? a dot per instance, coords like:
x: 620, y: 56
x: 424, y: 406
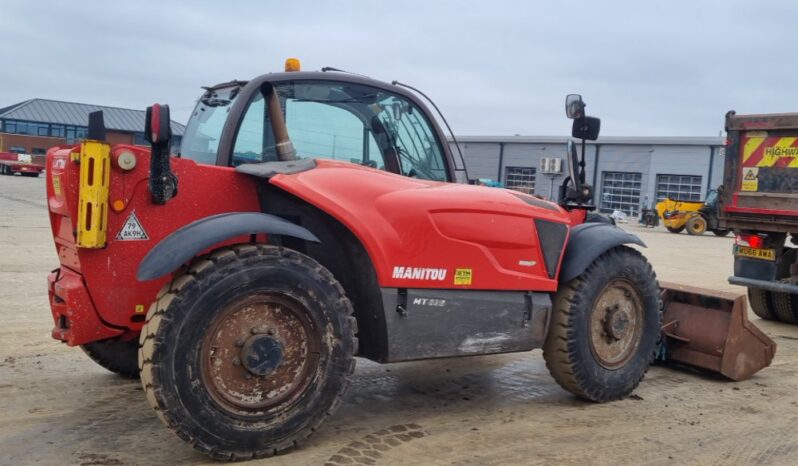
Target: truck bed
x: 761, y: 173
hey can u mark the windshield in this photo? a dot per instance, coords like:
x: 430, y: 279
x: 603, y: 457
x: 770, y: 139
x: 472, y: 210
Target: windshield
x: 204, y: 129
x: 344, y: 121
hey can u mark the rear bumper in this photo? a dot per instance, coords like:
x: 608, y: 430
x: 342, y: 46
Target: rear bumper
x: 25, y: 168
x: 75, y: 319
x: 778, y: 287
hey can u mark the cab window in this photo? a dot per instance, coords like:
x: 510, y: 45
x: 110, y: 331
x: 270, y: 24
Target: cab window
x: 344, y: 121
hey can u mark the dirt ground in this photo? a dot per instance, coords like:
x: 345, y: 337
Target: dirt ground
x: 58, y: 407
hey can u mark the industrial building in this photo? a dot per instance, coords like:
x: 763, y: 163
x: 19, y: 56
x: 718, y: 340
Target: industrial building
x: 627, y: 173
x: 35, y: 125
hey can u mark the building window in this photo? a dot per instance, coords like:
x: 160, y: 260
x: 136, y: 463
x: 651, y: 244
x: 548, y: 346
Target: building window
x: 679, y: 187
x: 39, y: 151
x: 621, y: 191
x: 17, y: 149
x: 57, y: 131
x: 520, y: 179
x: 138, y: 139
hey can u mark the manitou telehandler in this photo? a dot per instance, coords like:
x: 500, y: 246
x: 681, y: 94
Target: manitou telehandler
x: 314, y: 216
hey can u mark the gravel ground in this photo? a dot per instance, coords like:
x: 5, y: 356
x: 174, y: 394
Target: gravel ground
x: 58, y: 407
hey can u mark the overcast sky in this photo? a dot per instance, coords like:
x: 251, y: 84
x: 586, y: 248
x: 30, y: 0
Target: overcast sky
x: 667, y: 68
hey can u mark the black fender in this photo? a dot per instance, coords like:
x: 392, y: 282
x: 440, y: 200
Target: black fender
x: 185, y: 243
x: 588, y: 241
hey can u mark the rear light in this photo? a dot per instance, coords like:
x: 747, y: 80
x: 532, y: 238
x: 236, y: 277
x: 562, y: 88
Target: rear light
x: 752, y: 241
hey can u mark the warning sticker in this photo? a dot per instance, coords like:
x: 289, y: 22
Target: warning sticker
x: 57, y: 185
x: 462, y: 276
x: 750, y: 179
x: 139, y: 309
x: 132, y: 230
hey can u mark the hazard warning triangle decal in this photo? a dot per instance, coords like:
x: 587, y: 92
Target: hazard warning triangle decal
x: 132, y: 229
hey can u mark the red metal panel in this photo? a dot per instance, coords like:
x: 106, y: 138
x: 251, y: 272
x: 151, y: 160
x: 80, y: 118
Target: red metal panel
x: 407, y: 223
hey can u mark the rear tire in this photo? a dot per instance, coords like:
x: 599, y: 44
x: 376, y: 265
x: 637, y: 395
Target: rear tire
x: 721, y: 233
x: 785, y: 307
x: 676, y: 230
x: 604, y: 327
x: 246, y: 353
x: 760, y: 301
x: 118, y: 356
x: 696, y: 225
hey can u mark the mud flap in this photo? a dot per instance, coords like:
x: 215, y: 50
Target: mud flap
x: 710, y: 330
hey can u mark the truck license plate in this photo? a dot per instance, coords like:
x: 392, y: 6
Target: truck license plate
x: 766, y: 254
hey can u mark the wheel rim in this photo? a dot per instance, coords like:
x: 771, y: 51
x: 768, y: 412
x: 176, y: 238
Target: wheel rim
x: 697, y: 226
x: 260, y: 353
x: 616, y: 324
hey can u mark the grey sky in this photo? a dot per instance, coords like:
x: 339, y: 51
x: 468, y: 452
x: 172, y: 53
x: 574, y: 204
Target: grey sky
x: 646, y: 68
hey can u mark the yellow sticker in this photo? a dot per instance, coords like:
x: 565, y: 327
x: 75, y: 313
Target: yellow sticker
x: 57, y: 185
x: 750, y: 179
x: 139, y: 309
x: 462, y: 276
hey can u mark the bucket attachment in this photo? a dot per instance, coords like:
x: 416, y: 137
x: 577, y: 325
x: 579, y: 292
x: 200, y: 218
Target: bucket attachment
x: 710, y: 330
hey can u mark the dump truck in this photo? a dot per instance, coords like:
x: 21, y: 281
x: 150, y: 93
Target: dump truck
x: 24, y: 164
x: 314, y: 216
x: 694, y: 216
x: 760, y: 203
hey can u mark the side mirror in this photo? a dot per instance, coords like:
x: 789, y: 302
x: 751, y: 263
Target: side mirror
x: 157, y: 125
x: 157, y: 130
x: 586, y: 128
x: 574, y: 106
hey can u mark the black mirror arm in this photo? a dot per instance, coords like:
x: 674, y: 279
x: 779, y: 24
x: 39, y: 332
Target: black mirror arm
x: 582, y: 163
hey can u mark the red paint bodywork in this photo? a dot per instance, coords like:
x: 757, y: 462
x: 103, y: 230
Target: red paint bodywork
x: 109, y: 274
x: 401, y: 222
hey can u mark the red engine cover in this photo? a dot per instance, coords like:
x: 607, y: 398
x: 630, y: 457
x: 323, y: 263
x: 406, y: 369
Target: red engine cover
x: 424, y: 234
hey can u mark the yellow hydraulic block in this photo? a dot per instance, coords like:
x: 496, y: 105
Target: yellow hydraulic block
x: 95, y: 170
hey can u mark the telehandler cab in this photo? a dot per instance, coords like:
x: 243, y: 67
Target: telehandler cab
x: 314, y: 216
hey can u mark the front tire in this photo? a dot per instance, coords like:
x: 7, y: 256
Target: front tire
x: 604, y: 327
x: 676, y: 230
x: 248, y: 352
x: 118, y: 356
x: 696, y: 226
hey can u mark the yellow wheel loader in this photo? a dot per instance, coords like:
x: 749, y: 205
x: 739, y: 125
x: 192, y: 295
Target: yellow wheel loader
x: 694, y: 216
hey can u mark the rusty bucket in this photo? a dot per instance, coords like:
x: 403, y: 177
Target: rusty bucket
x: 710, y: 330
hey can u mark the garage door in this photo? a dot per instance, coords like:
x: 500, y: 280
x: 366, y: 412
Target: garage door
x: 621, y: 191
x: 682, y: 187
x: 520, y: 178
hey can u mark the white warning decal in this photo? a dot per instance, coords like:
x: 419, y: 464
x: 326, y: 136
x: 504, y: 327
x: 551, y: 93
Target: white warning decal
x: 132, y: 230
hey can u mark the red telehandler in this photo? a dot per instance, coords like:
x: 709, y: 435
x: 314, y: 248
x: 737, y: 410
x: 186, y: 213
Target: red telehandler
x: 314, y: 216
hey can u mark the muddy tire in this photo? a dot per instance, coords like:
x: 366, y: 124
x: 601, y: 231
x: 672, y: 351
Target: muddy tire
x: 604, y: 327
x: 761, y: 304
x: 248, y: 351
x: 721, y: 233
x: 676, y: 230
x: 696, y: 226
x: 118, y: 356
x: 785, y: 307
